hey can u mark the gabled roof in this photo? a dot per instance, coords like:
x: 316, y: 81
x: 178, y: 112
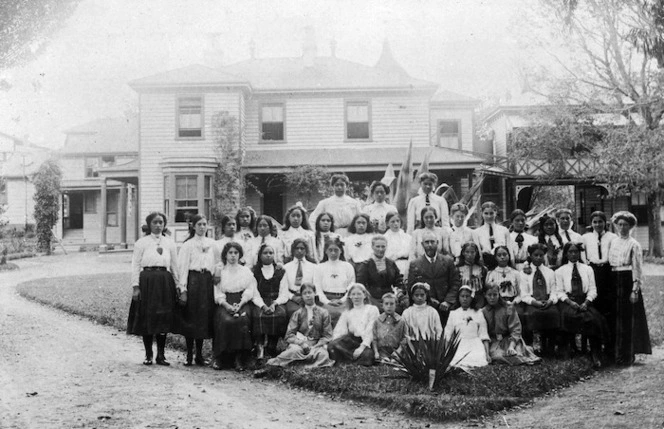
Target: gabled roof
x: 102, y: 136
x: 326, y: 73
x: 193, y: 75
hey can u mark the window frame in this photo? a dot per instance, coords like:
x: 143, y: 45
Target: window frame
x: 178, y: 101
x: 112, y: 209
x: 369, y: 120
x: 281, y: 104
x: 95, y: 173
x: 438, y: 133
x: 170, y: 206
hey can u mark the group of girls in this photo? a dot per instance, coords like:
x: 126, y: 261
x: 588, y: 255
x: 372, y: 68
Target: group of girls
x: 323, y: 293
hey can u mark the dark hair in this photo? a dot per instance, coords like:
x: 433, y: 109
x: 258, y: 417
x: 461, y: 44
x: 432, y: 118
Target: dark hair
x: 319, y: 234
x: 459, y: 207
x: 307, y: 285
x: 416, y: 286
x: 424, y: 211
x: 376, y: 184
x: 509, y: 257
x: 462, y: 259
x: 351, y: 227
x: 488, y: 205
x: 339, y: 176
x: 390, y: 215
x: 333, y: 241
x: 428, y: 176
x: 600, y: 215
x: 265, y: 218
x: 305, y: 221
x: 306, y: 249
x: 537, y: 246
x: 148, y: 220
x: 473, y: 301
x: 541, y: 234
x: 566, y: 248
x: 231, y: 245
x: 252, y: 217
x: 192, y: 225
x: 224, y: 221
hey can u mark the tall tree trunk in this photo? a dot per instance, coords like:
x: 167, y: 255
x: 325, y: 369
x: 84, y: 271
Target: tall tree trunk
x: 655, y: 224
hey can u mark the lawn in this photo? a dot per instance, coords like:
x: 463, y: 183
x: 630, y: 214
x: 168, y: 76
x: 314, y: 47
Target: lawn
x: 106, y: 298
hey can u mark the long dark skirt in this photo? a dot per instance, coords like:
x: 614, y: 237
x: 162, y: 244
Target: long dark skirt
x: 232, y: 334
x: 605, y: 302
x: 590, y: 322
x: 153, y: 312
x: 268, y: 324
x: 540, y: 320
x: 342, y: 348
x: 632, y: 334
x: 196, y: 318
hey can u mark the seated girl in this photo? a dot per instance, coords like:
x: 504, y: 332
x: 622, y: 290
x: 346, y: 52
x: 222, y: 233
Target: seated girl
x: 521, y: 240
x: 296, y: 226
x: 576, y: 293
x: 332, y: 278
x: 422, y: 319
x: 324, y: 230
x: 358, y: 243
x: 539, y: 295
x: 549, y: 236
x: 428, y: 218
x: 474, y: 338
x: 264, y: 227
x: 507, y: 278
x: 460, y: 233
x: 309, y: 330
x: 354, y: 333
x: 504, y: 330
x: 472, y: 272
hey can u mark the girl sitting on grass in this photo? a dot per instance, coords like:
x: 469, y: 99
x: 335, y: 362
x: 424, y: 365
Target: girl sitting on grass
x: 472, y: 272
x: 421, y: 318
x: 474, y: 338
x: 354, y: 332
x: 504, y: 328
x: 309, y: 330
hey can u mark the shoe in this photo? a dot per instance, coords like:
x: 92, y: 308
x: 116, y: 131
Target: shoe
x: 238, y: 364
x: 189, y: 360
x: 201, y: 362
x: 148, y: 360
x: 216, y: 366
x: 161, y: 360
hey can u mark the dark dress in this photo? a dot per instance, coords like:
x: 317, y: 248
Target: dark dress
x: 379, y: 283
x: 572, y: 321
x: 632, y: 335
x: 232, y: 334
x: 153, y: 312
x: 273, y: 324
x: 196, y: 318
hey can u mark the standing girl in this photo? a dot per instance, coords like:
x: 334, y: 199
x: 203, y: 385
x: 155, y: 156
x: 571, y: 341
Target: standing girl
x: 297, y: 226
x: 521, y: 240
x: 428, y: 219
x: 235, y: 288
x: 342, y: 207
x: 354, y: 333
x: 358, y: 243
x: 630, y: 324
x: 245, y: 221
x: 324, y: 231
x: 264, y: 227
x: 270, y: 324
x: 379, y: 208
x: 332, y: 278
x: 491, y: 234
x: 474, y: 338
x: 196, y: 261
x: 549, y: 236
x: 228, y: 228
x: 460, y: 233
x: 398, y: 242
x: 154, y: 276
x: 472, y: 272
x: 421, y: 318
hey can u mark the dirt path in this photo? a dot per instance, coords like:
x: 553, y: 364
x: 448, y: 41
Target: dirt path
x: 60, y: 370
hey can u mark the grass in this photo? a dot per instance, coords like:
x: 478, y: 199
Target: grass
x: 106, y: 298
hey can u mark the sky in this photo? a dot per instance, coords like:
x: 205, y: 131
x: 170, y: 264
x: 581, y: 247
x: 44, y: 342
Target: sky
x: 471, y: 47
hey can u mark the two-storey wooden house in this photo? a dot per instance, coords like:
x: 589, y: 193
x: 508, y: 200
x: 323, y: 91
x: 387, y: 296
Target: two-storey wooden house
x: 313, y: 110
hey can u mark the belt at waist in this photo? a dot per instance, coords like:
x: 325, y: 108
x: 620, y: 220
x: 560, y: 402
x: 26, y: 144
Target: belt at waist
x: 204, y: 270
x: 623, y: 268
x: 334, y: 295
x: 403, y: 258
x: 155, y: 269
x: 601, y: 264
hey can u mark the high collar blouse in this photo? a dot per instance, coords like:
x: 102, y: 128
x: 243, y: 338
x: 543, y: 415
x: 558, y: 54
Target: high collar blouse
x: 196, y: 254
x: 147, y: 254
x: 627, y: 252
x: 564, y: 281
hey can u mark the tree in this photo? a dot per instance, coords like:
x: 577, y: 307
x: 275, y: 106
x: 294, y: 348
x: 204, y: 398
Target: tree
x: 307, y: 181
x: 228, y: 177
x: 47, y: 202
x: 27, y: 25
x: 610, y: 86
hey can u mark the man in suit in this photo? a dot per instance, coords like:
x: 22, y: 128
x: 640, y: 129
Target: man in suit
x: 379, y: 274
x: 439, y: 272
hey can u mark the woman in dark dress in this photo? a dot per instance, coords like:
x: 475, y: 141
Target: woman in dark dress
x: 154, y: 276
x: 626, y: 258
x: 268, y: 325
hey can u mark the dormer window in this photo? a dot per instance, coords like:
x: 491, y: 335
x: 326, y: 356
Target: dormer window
x: 449, y: 134
x: 272, y: 122
x: 190, y: 117
x: 358, y: 124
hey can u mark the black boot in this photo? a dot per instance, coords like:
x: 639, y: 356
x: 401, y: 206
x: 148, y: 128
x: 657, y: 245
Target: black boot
x: 596, y: 352
x: 199, y: 353
x: 190, y: 351
x: 147, y: 343
x: 161, y: 345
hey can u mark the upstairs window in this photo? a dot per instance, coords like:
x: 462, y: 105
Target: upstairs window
x: 91, y: 167
x: 357, y: 121
x: 190, y: 117
x: 272, y: 122
x: 449, y: 134
x: 107, y: 161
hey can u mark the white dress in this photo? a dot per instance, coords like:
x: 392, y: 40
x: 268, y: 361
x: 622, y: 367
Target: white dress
x: 398, y: 249
x: 472, y: 328
x: 343, y: 210
x: 423, y: 321
x: 357, y: 247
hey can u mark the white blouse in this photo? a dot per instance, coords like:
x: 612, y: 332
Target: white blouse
x: 564, y: 281
x: 423, y: 321
x: 196, y: 254
x: 357, y: 247
x: 234, y: 279
x: 590, y: 244
x: 627, y: 252
x: 417, y: 203
x: 287, y: 285
x: 357, y: 321
x: 333, y: 277
x: 154, y: 251
x: 377, y: 213
x: 460, y: 235
x: 527, y: 286
x: 501, y: 237
x: 398, y: 245
x: 574, y: 236
x: 289, y: 235
x: 509, y: 281
x: 254, y: 246
x: 520, y: 254
x: 343, y: 210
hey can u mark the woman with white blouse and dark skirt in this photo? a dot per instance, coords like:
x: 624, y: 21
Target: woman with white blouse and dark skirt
x: 196, y: 261
x: 630, y: 326
x: 297, y: 272
x: 154, y: 276
x: 234, y: 289
x: 332, y: 278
